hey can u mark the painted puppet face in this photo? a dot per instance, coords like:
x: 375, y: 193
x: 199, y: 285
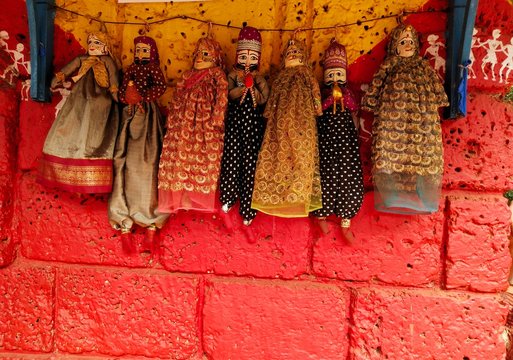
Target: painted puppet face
x: 142, y: 53
x: 406, y: 45
x: 95, y: 46
x: 293, y: 56
x: 204, y: 58
x: 335, y: 75
x: 248, y: 59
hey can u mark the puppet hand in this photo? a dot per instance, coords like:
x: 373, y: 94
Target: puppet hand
x: 115, y: 96
x: 57, y: 80
x: 248, y: 81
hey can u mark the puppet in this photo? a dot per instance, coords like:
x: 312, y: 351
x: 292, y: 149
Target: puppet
x: 192, y: 148
x: 245, y: 125
x: 287, y: 181
x: 137, y: 151
x: 340, y: 165
x: 79, y: 148
x: 407, y: 151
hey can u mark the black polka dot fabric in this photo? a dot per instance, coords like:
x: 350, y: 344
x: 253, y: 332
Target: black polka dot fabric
x: 340, y: 165
x: 244, y: 131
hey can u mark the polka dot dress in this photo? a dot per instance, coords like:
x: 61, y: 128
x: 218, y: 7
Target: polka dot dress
x: 244, y: 131
x: 340, y: 165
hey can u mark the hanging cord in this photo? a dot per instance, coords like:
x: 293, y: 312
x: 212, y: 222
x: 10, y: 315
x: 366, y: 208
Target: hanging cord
x: 212, y: 23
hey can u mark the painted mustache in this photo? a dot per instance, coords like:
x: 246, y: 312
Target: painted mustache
x: 252, y: 67
x: 141, y: 61
x: 339, y: 82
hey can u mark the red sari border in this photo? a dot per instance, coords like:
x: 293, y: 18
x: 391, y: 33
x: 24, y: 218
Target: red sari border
x: 76, y: 175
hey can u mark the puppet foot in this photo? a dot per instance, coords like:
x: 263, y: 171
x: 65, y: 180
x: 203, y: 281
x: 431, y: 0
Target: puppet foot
x: 249, y: 234
x: 247, y: 222
x: 150, y: 242
x: 127, y: 243
x: 225, y: 208
x: 323, y: 225
x: 227, y: 221
x: 346, y: 231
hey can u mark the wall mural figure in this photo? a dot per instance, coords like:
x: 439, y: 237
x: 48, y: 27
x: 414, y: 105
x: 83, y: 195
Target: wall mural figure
x: 472, y: 57
x: 492, y: 47
x: 4, y: 35
x: 433, y: 51
x: 508, y: 62
x: 12, y: 71
x: 64, y: 92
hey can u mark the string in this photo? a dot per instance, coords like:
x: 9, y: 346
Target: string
x: 212, y: 23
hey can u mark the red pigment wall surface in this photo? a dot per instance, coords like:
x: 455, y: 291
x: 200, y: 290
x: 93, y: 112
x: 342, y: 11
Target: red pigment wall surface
x: 409, y: 287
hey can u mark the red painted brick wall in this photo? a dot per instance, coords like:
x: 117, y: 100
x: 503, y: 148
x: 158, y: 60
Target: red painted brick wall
x: 423, y: 287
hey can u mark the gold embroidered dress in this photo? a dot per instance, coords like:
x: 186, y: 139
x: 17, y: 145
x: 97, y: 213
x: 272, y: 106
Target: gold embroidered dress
x: 287, y: 180
x: 191, y: 155
x: 407, y: 149
x: 78, y: 151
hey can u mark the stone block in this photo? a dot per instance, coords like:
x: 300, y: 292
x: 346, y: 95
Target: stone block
x: 220, y: 244
x: 425, y: 324
x: 478, y: 257
x: 103, y: 311
x: 26, y: 308
x: 275, y: 320
x: 394, y: 249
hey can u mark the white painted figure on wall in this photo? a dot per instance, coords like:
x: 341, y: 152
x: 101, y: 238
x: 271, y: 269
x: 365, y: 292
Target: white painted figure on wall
x: 4, y: 35
x: 492, y: 47
x: 19, y: 62
x: 472, y: 57
x: 433, y: 51
x: 508, y: 62
x: 64, y: 91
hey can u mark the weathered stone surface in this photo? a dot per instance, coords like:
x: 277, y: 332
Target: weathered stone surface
x: 410, y: 324
x: 196, y: 242
x: 26, y: 308
x: 478, y: 257
x: 275, y: 320
x: 478, y: 148
x: 395, y: 249
x: 101, y: 311
x: 68, y: 227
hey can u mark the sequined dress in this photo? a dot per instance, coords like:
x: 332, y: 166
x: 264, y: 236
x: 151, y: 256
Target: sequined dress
x: 193, y: 145
x: 407, y: 149
x: 287, y: 180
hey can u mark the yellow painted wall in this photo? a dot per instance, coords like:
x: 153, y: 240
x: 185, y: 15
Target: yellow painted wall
x: 176, y: 39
